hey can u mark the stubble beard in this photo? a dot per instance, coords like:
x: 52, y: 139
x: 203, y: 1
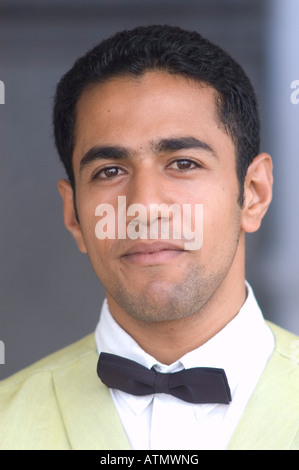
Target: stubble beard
x: 161, y: 301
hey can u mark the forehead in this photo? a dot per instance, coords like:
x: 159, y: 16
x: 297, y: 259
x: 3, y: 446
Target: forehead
x: 132, y: 111
x: 154, y: 89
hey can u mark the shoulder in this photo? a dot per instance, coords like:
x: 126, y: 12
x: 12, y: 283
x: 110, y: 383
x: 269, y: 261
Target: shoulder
x: 286, y: 344
x: 270, y: 420
x: 58, y: 360
x: 30, y: 408
x: 279, y: 388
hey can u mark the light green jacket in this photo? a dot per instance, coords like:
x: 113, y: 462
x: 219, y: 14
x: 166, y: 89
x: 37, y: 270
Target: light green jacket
x: 59, y: 403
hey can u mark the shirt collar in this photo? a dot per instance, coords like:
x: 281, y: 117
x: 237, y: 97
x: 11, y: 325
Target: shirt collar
x: 230, y: 349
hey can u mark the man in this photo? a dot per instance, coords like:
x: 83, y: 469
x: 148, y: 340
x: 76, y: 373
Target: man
x: 160, y: 117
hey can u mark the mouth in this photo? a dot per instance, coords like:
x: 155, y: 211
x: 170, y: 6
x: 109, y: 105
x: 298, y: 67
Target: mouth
x: 150, y: 254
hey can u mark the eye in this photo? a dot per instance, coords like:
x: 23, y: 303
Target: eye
x: 184, y: 164
x: 107, y: 173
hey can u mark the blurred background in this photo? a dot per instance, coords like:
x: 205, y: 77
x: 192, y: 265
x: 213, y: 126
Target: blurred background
x: 49, y: 294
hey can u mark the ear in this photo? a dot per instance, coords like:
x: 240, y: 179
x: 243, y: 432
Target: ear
x: 257, y: 192
x: 70, y: 220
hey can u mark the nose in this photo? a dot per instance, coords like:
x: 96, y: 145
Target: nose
x: 147, y: 188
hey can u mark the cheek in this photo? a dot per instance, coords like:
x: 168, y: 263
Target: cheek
x: 221, y: 220
x: 99, y: 229
x: 88, y: 222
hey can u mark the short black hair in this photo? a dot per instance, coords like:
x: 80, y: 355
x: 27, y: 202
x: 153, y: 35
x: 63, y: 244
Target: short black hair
x: 175, y: 51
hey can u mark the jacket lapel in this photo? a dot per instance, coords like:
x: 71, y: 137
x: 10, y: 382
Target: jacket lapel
x: 90, y: 417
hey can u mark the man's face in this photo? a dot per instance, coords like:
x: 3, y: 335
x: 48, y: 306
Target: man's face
x: 158, y: 141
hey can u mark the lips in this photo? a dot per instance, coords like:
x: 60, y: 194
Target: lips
x: 153, y: 247
x: 152, y: 253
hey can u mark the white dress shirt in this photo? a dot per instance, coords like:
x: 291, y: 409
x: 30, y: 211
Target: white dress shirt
x: 160, y: 421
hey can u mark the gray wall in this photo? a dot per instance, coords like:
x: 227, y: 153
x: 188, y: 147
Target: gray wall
x: 49, y: 295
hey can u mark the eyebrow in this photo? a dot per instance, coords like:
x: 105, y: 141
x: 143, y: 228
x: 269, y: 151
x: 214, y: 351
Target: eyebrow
x: 181, y: 143
x: 169, y: 145
x: 109, y: 152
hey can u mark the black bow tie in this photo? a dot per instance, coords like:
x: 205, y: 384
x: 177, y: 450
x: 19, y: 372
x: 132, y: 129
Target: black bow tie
x: 196, y: 385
